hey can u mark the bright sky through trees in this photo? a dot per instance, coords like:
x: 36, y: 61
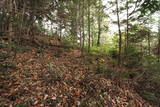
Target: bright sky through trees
x: 113, y: 27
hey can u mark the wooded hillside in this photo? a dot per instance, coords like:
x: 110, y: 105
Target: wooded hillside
x: 79, y: 53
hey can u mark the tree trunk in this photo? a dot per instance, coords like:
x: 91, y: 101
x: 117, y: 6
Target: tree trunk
x: 10, y: 23
x: 89, y: 33
x: 74, y: 21
x: 159, y: 48
x: 120, y: 35
x: 99, y: 24
x: 149, y: 45
x: 159, y: 41
x: 127, y: 35
x: 80, y: 22
x: 83, y: 33
x: 60, y: 30
x: 127, y: 31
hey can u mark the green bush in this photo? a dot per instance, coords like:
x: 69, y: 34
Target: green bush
x: 4, y: 56
x: 20, y: 48
x: 67, y: 42
x: 134, y: 57
x: 3, y: 44
x: 113, y: 53
x: 149, y: 86
x: 107, y: 72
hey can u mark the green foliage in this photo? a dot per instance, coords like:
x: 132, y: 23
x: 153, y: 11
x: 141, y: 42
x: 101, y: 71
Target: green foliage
x: 113, y: 53
x: 12, y: 65
x: 110, y: 72
x: 4, y: 56
x: 149, y: 96
x: 102, y: 49
x: 99, y: 50
x: 3, y: 44
x: 40, y: 29
x: 137, y: 33
x: 28, y: 74
x: 67, y: 42
x: 149, y: 7
x: 134, y: 57
x: 107, y: 72
x: 19, y: 48
x: 127, y: 74
x: 149, y: 86
x: 41, y: 51
x: 113, y: 56
x: 21, y: 105
x: 149, y: 60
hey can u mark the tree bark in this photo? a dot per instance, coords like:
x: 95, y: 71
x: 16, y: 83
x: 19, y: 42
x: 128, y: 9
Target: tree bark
x: 127, y: 30
x: 89, y: 32
x: 159, y: 41
x: 149, y: 44
x: 127, y: 35
x: 83, y: 32
x: 99, y: 24
x: 120, y: 35
x: 11, y: 23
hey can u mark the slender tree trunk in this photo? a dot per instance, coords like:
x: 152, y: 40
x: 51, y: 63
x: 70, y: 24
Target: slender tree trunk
x: 159, y: 48
x: 149, y: 45
x: 99, y: 24
x: 159, y: 41
x: 127, y: 31
x: 79, y: 22
x: 80, y: 33
x: 21, y: 24
x: 127, y: 35
x: 120, y: 35
x: 83, y: 32
x: 141, y: 46
x: 10, y: 23
x: 89, y: 32
x: 92, y: 38
x: 60, y: 30
x: 74, y: 20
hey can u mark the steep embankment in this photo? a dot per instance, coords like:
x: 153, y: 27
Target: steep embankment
x: 56, y: 76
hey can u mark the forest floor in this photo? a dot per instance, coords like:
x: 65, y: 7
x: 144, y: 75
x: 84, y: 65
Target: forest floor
x: 61, y: 77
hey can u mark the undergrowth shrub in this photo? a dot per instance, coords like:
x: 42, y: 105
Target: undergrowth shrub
x: 107, y: 72
x: 12, y: 65
x: 99, y: 50
x: 149, y: 84
x: 113, y: 53
x: 3, y: 44
x: 127, y: 74
x: 19, y: 48
x: 113, y: 56
x: 4, y: 56
x: 67, y: 42
x: 134, y: 57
